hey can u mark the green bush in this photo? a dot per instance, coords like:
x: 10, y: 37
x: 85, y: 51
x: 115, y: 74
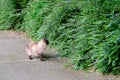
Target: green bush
x: 11, y: 13
x: 6, y: 12
x: 18, y: 16
x: 35, y: 14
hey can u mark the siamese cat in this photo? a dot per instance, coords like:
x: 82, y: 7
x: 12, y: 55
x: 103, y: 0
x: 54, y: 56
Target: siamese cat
x: 36, y: 49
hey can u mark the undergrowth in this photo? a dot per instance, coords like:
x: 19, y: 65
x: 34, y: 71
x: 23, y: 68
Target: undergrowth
x: 86, y: 31
x: 6, y: 13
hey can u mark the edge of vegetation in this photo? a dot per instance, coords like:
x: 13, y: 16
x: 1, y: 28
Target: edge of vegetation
x: 86, y: 31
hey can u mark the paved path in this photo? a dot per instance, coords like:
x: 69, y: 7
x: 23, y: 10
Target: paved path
x: 15, y: 65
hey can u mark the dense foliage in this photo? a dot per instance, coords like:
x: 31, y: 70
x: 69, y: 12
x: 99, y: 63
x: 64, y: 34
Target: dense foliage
x: 6, y: 11
x: 86, y: 31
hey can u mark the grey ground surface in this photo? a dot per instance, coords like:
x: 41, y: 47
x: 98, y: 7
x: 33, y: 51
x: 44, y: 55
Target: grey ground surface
x: 15, y: 65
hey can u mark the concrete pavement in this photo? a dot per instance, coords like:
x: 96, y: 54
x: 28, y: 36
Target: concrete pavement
x: 15, y: 65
